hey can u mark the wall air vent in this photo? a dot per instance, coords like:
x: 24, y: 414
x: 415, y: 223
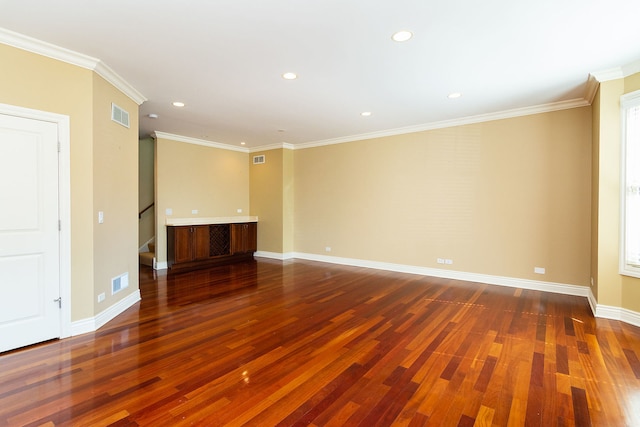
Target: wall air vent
x: 118, y: 115
x: 119, y: 283
x: 258, y: 160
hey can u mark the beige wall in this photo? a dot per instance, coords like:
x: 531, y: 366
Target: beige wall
x: 595, y: 194
x: 497, y: 198
x: 288, y: 201
x: 33, y: 81
x: 613, y: 289
x: 188, y: 176
x: 115, y: 192
x: 146, y: 228
x: 37, y: 82
x: 271, y: 199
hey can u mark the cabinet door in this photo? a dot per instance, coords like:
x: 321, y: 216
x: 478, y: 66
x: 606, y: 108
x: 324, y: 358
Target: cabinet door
x: 243, y: 238
x: 200, y: 236
x: 183, y: 244
x: 252, y: 237
x: 236, y: 238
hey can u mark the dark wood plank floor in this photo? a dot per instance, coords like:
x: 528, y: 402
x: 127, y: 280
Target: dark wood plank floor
x: 297, y: 343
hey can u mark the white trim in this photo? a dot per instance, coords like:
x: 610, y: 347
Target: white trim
x: 161, y: 265
x: 282, y: 145
x: 94, y: 323
x: 513, y: 282
x: 50, y: 50
x: 617, y: 313
x: 630, y: 69
x: 608, y: 75
x: 617, y: 72
x: 206, y: 221
x: 64, y: 201
x: 592, y: 89
x: 64, y: 211
x: 274, y: 255
x: 47, y: 49
x: 593, y: 303
x: 598, y: 310
x: 627, y: 101
x: 517, y: 112
x: 630, y: 99
x: 196, y: 141
x: 121, y: 84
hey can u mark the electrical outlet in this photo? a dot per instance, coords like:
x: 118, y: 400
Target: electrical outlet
x: 194, y: 211
x: 327, y: 248
x: 539, y: 270
x: 101, y: 297
x: 239, y: 210
x: 448, y: 261
x: 440, y: 260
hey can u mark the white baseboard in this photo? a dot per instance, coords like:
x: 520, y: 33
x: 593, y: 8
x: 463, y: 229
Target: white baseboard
x: 537, y: 285
x: 618, y: 313
x: 94, y: 323
x: 161, y: 265
x: 274, y: 255
x: 593, y: 303
x: 598, y: 310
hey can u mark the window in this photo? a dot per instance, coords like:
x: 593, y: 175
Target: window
x: 630, y: 185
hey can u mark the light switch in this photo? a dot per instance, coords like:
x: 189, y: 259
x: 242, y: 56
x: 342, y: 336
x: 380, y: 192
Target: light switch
x: 100, y: 217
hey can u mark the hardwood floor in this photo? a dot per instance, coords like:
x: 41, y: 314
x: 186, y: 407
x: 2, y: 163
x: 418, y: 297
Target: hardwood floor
x: 297, y: 343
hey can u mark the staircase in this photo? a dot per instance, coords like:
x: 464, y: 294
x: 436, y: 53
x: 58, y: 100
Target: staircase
x: 149, y: 257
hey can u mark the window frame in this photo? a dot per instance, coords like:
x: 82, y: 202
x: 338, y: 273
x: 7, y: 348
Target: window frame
x: 627, y: 102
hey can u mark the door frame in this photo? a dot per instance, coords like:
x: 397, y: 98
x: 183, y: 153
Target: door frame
x: 64, y: 202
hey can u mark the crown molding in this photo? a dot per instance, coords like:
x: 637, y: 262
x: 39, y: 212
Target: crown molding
x: 632, y: 68
x: 43, y: 48
x: 196, y: 141
x: 121, y: 84
x: 617, y: 72
x: 592, y: 89
x: 282, y: 145
x: 607, y: 75
x: 52, y: 51
x: 517, y: 112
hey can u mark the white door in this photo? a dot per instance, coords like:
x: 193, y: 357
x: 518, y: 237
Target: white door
x: 29, y: 236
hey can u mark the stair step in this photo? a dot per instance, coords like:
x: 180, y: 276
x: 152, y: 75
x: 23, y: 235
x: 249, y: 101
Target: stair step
x: 147, y: 258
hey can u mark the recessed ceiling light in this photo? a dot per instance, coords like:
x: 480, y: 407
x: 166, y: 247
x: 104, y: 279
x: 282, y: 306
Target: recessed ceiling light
x: 402, y: 36
x: 365, y: 113
x: 454, y: 95
x: 289, y: 76
x: 242, y: 143
x: 152, y: 116
x: 178, y: 104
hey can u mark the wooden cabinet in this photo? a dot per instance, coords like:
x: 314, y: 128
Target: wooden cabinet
x: 195, y: 246
x: 244, y: 238
x: 190, y: 243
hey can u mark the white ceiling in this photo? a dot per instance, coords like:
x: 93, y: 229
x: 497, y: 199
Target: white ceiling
x: 224, y: 59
